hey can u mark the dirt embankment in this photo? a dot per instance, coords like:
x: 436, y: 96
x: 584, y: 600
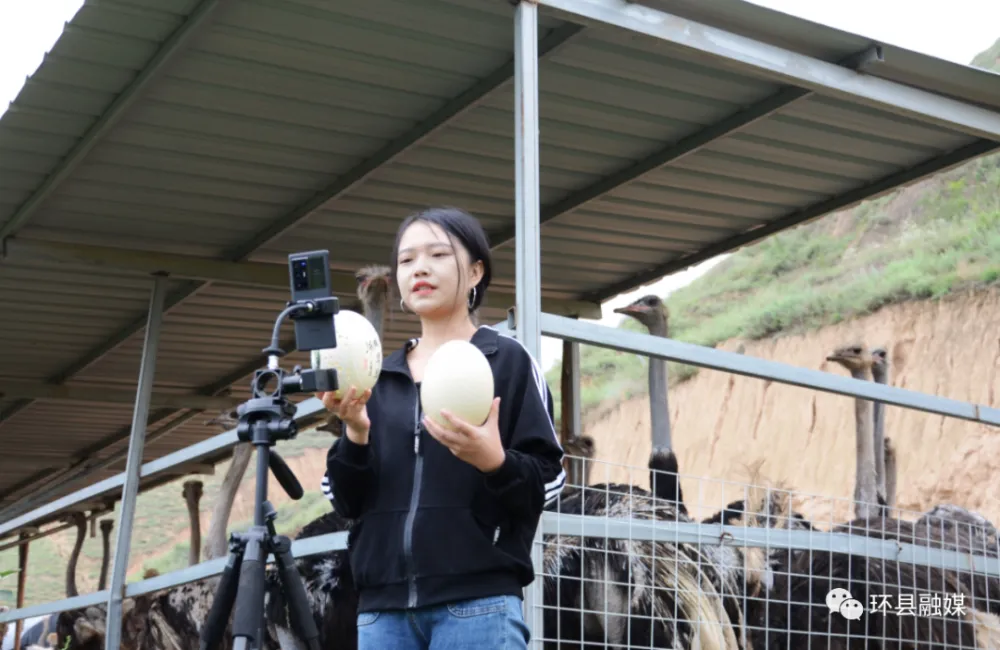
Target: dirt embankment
x: 721, y: 422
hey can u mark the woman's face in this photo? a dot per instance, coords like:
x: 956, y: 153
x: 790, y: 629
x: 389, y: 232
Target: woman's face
x: 433, y: 272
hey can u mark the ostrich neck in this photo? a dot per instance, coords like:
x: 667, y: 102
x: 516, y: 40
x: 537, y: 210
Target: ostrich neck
x: 880, y: 376
x: 659, y: 407
x: 890, y: 479
x: 102, y: 580
x: 194, y: 517
x: 81, y: 533
x: 216, y: 542
x: 866, y: 502
x: 375, y: 309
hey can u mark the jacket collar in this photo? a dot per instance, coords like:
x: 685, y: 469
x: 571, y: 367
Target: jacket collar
x: 485, y: 339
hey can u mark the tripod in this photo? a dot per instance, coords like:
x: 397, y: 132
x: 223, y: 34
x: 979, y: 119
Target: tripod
x: 262, y: 421
x: 265, y: 418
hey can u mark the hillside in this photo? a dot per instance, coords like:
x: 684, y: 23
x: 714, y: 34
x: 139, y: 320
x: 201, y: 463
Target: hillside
x: 918, y: 270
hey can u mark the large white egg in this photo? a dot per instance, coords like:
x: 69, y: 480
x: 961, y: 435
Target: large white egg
x: 458, y: 378
x: 357, y: 357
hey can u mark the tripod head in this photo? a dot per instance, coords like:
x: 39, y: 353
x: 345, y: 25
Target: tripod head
x: 267, y: 417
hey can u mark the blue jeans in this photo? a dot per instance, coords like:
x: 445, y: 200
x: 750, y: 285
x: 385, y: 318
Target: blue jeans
x: 491, y: 623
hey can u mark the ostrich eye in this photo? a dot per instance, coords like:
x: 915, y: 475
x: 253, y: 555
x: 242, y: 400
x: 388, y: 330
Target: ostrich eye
x: 856, y: 350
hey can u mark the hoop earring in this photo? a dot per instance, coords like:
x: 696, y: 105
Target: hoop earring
x: 402, y: 305
x: 472, y: 298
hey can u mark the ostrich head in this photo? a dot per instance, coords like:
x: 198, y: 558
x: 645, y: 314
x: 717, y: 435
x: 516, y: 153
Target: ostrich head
x: 225, y: 420
x: 582, y: 446
x: 649, y: 310
x: 374, y: 285
x: 880, y: 363
x: 373, y: 282
x: 855, y: 357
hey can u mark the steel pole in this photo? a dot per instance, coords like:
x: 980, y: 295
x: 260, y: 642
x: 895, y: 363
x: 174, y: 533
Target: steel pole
x: 528, y: 292
x: 130, y: 489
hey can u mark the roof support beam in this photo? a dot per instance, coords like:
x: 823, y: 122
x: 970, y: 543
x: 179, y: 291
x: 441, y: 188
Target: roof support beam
x: 431, y: 124
x: 253, y: 274
x: 12, y: 388
x: 174, y: 44
x: 687, y: 146
x: 864, y: 193
x: 786, y: 66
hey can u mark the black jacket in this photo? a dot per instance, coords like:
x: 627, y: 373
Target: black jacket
x: 432, y: 529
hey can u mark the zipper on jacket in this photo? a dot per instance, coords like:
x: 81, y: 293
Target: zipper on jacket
x: 418, y: 471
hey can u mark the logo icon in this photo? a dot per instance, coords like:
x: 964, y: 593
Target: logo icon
x: 840, y: 600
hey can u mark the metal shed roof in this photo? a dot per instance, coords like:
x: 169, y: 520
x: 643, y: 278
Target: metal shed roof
x: 210, y: 139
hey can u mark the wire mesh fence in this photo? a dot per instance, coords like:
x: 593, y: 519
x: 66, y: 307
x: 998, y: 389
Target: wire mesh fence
x: 639, y: 563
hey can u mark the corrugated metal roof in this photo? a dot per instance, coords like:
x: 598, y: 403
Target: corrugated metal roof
x: 270, y: 126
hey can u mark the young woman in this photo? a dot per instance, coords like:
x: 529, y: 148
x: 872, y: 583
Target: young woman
x: 440, y: 551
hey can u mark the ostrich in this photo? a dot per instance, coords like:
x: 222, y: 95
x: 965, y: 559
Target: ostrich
x: 796, y: 604
x: 794, y: 608
x: 192, y: 491
x: 662, y: 594
x: 329, y: 587
x: 649, y: 593
x: 858, y: 361
x: 945, y: 515
x: 652, y: 312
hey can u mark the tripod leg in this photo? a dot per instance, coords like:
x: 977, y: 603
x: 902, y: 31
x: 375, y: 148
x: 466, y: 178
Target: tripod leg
x: 248, y: 625
x: 222, y: 604
x: 299, y: 613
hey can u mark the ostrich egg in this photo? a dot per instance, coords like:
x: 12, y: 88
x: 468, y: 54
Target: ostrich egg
x: 458, y: 378
x: 357, y: 357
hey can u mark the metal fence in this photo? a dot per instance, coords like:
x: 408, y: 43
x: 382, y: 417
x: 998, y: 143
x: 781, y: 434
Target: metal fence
x: 730, y: 616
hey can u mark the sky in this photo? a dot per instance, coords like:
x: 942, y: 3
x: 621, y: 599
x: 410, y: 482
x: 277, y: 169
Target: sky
x: 956, y: 30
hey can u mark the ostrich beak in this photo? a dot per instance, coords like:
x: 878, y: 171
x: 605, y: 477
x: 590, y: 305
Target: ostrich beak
x: 834, y: 357
x: 629, y: 309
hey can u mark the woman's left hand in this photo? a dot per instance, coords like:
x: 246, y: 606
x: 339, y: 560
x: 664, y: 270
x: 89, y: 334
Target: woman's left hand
x: 479, y: 446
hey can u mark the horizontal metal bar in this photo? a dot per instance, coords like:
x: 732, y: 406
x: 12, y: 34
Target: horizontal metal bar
x: 12, y: 389
x: 306, y: 408
x: 300, y: 548
x: 558, y: 523
x: 788, y: 67
x: 570, y: 329
x: 254, y: 274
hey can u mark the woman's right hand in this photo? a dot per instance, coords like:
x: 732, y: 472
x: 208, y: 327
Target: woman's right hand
x: 352, y: 410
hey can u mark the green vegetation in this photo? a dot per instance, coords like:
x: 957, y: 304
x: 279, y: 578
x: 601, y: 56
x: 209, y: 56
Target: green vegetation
x: 936, y: 238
